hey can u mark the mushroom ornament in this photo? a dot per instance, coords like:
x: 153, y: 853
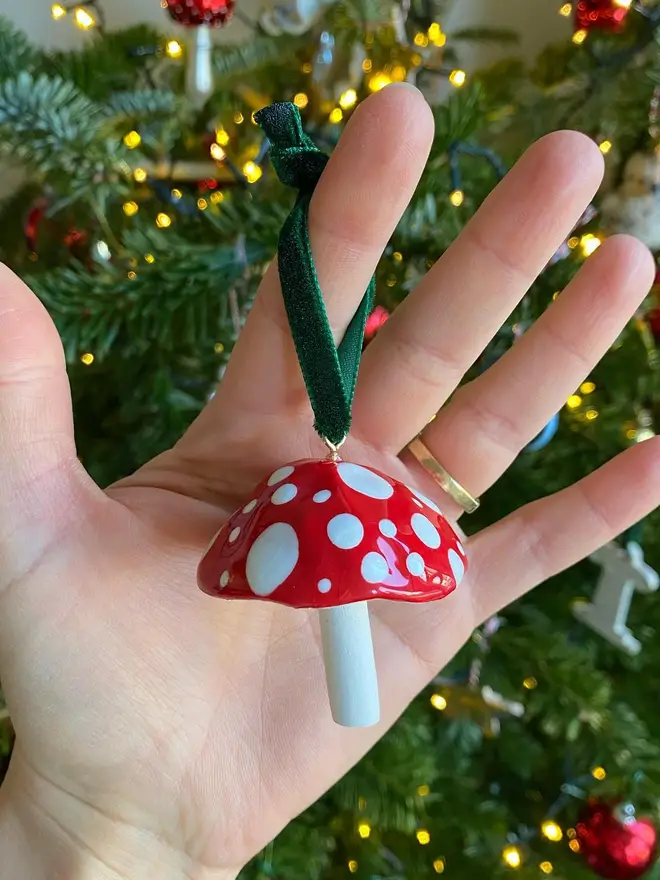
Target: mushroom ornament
x: 332, y: 535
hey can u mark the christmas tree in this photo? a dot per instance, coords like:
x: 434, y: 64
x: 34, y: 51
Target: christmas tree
x: 147, y: 215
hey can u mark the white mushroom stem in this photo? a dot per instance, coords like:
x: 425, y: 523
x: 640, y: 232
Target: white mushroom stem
x: 199, y: 82
x: 350, y: 666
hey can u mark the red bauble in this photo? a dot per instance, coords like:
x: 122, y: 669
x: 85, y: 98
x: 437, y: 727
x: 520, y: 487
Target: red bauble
x: 375, y: 321
x: 606, y: 15
x: 192, y: 13
x: 614, y: 843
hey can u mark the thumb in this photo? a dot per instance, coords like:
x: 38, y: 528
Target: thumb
x: 40, y: 476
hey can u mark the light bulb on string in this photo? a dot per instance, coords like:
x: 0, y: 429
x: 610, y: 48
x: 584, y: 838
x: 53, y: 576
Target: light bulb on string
x: 173, y: 49
x: 364, y: 830
x: 140, y: 175
x: 348, y: 99
x: 252, y: 171
x: 163, y: 221
x: 512, y: 856
x: 439, y: 866
x: 87, y: 359
x: 457, y: 78
x: 301, y: 100
x: 565, y: 9
x: 546, y: 867
x: 438, y: 702
x: 551, y: 830
x: 83, y: 18
x: 580, y: 36
x: 599, y: 773
x: 457, y: 197
x: 605, y: 147
x: 57, y: 11
x: 378, y: 81
x: 131, y: 208
x: 423, y: 837
x: 133, y: 140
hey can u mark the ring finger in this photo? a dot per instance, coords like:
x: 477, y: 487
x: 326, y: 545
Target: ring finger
x: 488, y: 421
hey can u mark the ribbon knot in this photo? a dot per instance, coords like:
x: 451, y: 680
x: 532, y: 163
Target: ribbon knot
x: 297, y: 161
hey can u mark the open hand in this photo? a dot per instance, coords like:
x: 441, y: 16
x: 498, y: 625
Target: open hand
x: 163, y: 734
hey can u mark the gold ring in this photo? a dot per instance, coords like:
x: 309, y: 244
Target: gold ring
x: 445, y: 480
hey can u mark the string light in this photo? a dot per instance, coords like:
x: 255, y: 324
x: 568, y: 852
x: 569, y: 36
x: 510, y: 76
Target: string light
x: 252, y: 171
x: 57, y: 11
x: 551, y: 830
x: 457, y: 197
x: 546, y: 867
x: 599, y: 773
x: 565, y: 9
x: 512, y: 856
x: 530, y: 683
x: 163, y: 220
x: 202, y: 204
x: 301, y: 100
x: 218, y: 348
x: 222, y: 136
x: 87, y: 359
x: 398, y: 73
x: 177, y: 195
x: 579, y: 36
x: 378, y: 81
x: 364, y: 830
x: 624, y: 4
x: 83, y: 19
x: 398, y: 256
x: 133, y: 140
x: 589, y: 243
x: 588, y: 387
x: 367, y: 65
x: 423, y: 837
x: 574, y: 401
x: 348, y: 99
x: 573, y: 242
x: 253, y: 118
x: 149, y: 258
x: 438, y: 702
x: 217, y: 152
x: 131, y: 208
x: 423, y: 790
x: 353, y: 866
x: 174, y: 49
x: 631, y: 434
x: 591, y: 414
x: 605, y: 147
x: 336, y: 116
x: 307, y: 67
x: 391, y: 281
x: 457, y: 78
x: 435, y: 35
x: 570, y: 833
x: 439, y: 866
x: 216, y: 198
x: 132, y: 275
x: 574, y: 845
x: 421, y: 40
x: 238, y: 118
x: 140, y: 175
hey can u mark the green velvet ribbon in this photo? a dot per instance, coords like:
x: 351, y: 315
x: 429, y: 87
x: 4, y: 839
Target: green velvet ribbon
x: 330, y: 372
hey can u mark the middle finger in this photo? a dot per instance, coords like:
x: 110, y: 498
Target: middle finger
x: 422, y: 352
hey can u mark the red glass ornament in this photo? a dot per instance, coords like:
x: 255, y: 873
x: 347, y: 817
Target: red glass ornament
x: 614, y: 843
x: 375, y: 321
x: 606, y: 15
x: 192, y: 13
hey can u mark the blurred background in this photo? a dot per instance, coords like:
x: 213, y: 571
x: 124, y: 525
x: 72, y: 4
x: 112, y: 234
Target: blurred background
x: 138, y: 201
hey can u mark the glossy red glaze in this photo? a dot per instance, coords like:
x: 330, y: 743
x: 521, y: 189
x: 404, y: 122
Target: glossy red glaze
x: 326, y: 533
x: 192, y: 13
x: 613, y: 845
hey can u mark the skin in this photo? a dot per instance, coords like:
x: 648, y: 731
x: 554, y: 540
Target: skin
x: 162, y: 733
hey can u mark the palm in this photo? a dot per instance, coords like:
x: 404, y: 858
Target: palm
x: 206, y: 722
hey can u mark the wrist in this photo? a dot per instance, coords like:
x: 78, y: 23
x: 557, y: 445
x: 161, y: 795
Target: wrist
x: 76, y: 842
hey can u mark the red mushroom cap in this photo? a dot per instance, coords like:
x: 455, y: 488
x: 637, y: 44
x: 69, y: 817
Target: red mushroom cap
x: 318, y: 534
